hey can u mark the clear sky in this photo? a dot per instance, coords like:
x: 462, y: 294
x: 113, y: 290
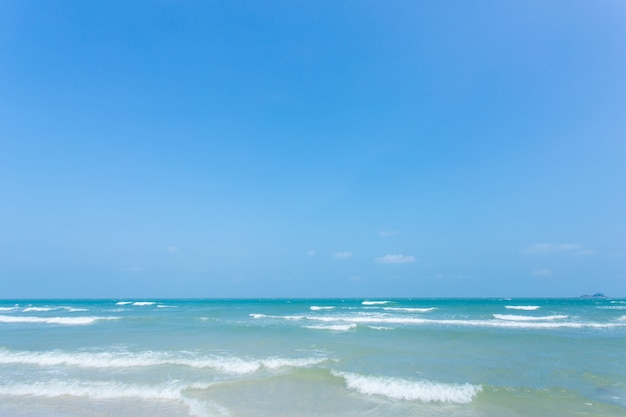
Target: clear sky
x: 312, y: 148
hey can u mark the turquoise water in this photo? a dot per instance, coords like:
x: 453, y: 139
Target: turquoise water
x: 375, y: 357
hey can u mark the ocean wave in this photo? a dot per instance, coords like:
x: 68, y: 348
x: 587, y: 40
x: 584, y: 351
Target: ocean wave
x: 514, y: 317
x: 165, y: 306
x: 317, y: 308
x: 144, y: 303
x: 265, y: 316
x: 123, y: 303
x: 611, y: 307
x: 226, y: 364
x: 404, y: 389
x: 374, y: 303
x: 113, y: 390
x: 8, y: 308
x: 39, y: 309
x: 334, y: 327
x: 45, y: 309
x: 536, y: 323
x: 410, y: 309
x: 54, y: 320
x: 527, y: 308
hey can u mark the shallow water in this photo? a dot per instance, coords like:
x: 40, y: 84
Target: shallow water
x: 396, y: 357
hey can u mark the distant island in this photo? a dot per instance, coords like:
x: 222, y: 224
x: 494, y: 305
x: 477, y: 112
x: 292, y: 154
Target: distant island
x: 596, y: 295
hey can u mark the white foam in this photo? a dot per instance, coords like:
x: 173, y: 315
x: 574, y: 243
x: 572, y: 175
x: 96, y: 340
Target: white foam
x: 144, y: 303
x: 54, y: 320
x: 410, y: 309
x: 380, y: 328
x: 166, y: 306
x: 27, y: 309
x: 386, y: 319
x: 317, y: 308
x: 526, y: 308
x: 514, y: 317
x: 7, y: 308
x: 374, y: 303
x: 225, y: 364
x: 107, y: 390
x: 263, y: 316
x: 74, y: 310
x: 278, y: 362
x: 123, y: 303
x: 334, y: 327
x: 404, y: 389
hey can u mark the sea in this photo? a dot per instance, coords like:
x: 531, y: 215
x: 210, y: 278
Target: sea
x: 375, y: 357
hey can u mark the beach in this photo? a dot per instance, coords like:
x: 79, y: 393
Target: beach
x: 322, y: 357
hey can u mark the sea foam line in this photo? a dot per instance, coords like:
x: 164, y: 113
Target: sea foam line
x: 527, y: 308
x: 514, y: 317
x: 374, y: 303
x: 225, y: 364
x: 410, y: 309
x: 112, y: 390
x: 317, y: 308
x: 386, y: 319
x: 334, y: 327
x: 404, y: 389
x: 54, y: 320
x: 43, y: 309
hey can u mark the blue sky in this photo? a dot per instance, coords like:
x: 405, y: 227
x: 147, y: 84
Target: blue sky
x: 312, y: 148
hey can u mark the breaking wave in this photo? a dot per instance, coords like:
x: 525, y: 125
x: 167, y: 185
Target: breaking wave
x: 410, y: 309
x: 111, y: 390
x: 225, y: 364
x: 514, y: 317
x: 526, y: 308
x: 334, y: 327
x: 404, y: 389
x: 54, y: 320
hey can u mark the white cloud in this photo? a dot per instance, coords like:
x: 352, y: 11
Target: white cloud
x: 387, y: 233
x: 172, y: 249
x: 542, y: 272
x: 311, y: 253
x: 342, y: 255
x: 571, y: 248
x: 396, y: 259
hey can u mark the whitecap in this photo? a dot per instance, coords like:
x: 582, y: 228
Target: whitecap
x: 374, y: 303
x: 144, y: 303
x: 123, y: 303
x: 416, y: 321
x: 112, y: 390
x: 264, y: 316
x: 39, y: 309
x: 54, y: 320
x: 165, y: 306
x: 514, y: 317
x: 74, y: 310
x: 526, y: 308
x: 334, y: 327
x: 410, y: 390
x: 410, y: 309
x: 380, y: 328
x: 225, y: 364
x: 7, y: 308
x: 317, y: 308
